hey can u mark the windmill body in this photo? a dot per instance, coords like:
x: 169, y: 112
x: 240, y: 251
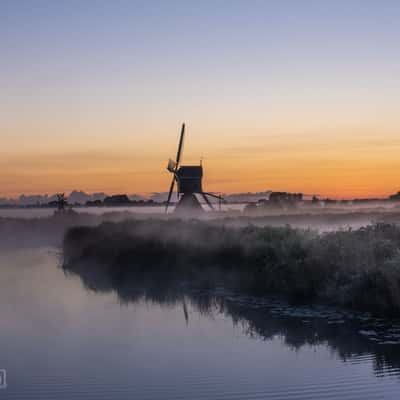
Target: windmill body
x: 189, y: 178
x: 189, y: 184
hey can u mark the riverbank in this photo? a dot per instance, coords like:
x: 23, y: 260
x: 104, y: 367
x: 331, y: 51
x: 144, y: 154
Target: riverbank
x: 357, y: 269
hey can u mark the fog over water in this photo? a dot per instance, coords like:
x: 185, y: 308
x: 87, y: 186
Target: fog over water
x: 46, y: 212
x: 88, y: 331
x: 66, y: 342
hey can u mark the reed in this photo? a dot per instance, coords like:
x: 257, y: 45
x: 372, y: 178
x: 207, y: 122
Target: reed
x: 359, y: 268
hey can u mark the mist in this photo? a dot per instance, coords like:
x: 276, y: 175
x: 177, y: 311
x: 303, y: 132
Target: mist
x: 349, y: 268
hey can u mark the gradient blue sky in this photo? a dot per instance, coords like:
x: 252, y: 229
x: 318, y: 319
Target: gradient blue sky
x: 284, y: 95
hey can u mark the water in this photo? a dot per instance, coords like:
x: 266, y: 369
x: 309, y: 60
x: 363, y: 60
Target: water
x: 59, y: 340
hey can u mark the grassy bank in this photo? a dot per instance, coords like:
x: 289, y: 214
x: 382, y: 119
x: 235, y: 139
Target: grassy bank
x: 359, y: 269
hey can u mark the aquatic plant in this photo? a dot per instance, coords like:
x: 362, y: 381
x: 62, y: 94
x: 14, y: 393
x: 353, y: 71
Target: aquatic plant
x: 353, y: 268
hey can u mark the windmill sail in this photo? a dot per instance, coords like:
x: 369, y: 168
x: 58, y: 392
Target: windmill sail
x: 172, y: 165
x: 171, y: 189
x: 180, y: 147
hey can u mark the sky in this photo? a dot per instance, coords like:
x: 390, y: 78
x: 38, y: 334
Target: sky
x: 286, y: 95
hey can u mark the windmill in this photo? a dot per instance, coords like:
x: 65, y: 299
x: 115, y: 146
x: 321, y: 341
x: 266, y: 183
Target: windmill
x: 189, y: 183
x: 61, y: 202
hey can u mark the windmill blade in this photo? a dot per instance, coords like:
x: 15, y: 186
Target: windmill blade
x: 171, y: 189
x: 213, y: 195
x: 171, y: 166
x: 208, y: 201
x: 180, y: 147
x: 185, y: 310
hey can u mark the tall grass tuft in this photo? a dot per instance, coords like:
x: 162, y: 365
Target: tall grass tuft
x: 354, y: 268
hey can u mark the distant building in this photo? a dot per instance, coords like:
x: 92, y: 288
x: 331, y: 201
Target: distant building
x: 284, y: 199
x: 395, y: 197
x: 94, y: 203
x: 117, y: 200
x: 276, y: 200
x: 315, y: 200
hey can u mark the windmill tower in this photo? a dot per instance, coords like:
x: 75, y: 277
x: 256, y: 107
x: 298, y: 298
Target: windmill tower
x: 61, y: 202
x: 189, y: 183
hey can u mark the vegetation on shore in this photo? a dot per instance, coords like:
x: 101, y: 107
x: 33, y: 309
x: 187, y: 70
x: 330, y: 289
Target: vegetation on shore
x: 359, y: 269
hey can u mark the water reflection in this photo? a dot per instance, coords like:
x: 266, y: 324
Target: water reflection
x: 349, y: 336
x: 152, y: 337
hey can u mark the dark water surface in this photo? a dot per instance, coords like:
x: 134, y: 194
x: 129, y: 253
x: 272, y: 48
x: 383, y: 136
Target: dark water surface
x: 59, y: 340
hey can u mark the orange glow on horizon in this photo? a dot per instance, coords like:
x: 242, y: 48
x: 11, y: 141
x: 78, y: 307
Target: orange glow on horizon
x: 347, y: 160
x: 322, y: 174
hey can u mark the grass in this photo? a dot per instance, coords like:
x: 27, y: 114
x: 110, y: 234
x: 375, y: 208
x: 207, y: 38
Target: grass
x: 358, y: 269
